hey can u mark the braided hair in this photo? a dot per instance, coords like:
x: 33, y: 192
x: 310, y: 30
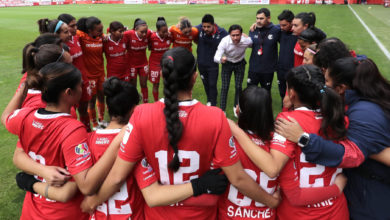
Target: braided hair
x: 178, y: 66
x: 309, y: 84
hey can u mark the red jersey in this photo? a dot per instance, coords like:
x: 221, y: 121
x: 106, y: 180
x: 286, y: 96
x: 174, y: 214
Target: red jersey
x: 53, y: 140
x: 298, y: 55
x: 116, y: 58
x: 180, y: 40
x: 92, y: 54
x: 77, y: 56
x: 128, y: 203
x: 309, y: 175
x: 205, y: 139
x: 136, y: 48
x: 158, y: 46
x: 233, y: 204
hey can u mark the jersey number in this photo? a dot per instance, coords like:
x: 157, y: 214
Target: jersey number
x: 264, y: 182
x: 113, y: 209
x: 178, y: 177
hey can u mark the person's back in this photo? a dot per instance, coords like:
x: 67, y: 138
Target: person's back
x: 204, y: 140
x: 51, y: 139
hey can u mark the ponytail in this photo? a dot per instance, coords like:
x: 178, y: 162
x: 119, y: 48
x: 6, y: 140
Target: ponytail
x: 308, y: 19
x: 160, y: 23
x: 177, y: 66
x: 138, y: 22
x: 81, y: 25
x: 43, y: 25
x: 49, y: 26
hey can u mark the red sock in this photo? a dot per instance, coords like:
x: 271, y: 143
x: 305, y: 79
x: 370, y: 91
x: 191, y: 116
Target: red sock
x: 155, y: 96
x: 92, y: 116
x: 85, y: 120
x: 144, y: 92
x: 101, y: 109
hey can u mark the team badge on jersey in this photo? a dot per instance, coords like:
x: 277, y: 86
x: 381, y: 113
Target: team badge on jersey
x: 232, y: 145
x: 110, y: 48
x: 270, y: 37
x: 81, y: 149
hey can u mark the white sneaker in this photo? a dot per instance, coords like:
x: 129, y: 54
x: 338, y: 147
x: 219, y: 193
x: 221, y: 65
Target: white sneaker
x: 208, y: 104
x: 234, y: 112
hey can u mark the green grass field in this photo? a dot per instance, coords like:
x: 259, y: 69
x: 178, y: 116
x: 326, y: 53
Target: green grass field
x: 18, y: 27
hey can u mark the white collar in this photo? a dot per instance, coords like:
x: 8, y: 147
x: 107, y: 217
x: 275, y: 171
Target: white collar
x: 50, y: 116
x: 184, y: 103
x: 108, y: 131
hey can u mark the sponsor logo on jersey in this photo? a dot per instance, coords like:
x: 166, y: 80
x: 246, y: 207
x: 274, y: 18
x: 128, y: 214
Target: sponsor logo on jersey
x: 182, y: 114
x: 93, y: 45
x: 257, y: 141
x: 155, y: 43
x: 102, y: 141
x: 82, y: 149
x: 37, y: 124
x: 77, y: 54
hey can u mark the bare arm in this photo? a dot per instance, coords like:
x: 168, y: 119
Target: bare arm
x: 13, y: 104
x: 91, y: 179
x: 247, y: 186
x: 52, y: 174
x: 270, y: 163
x: 160, y: 195
x: 61, y: 194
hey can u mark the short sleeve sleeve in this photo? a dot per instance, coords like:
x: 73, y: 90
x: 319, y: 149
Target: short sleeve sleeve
x: 76, y: 151
x: 144, y: 174
x: 281, y: 144
x: 131, y: 148
x: 15, y: 120
x: 225, y: 152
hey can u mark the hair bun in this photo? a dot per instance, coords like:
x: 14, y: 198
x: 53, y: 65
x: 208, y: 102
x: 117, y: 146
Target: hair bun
x: 112, y: 86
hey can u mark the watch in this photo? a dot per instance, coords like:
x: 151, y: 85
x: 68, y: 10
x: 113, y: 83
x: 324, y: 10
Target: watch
x: 304, y: 140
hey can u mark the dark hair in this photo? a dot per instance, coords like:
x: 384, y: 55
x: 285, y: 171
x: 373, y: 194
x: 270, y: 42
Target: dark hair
x: 309, y: 84
x: 57, y: 77
x: 87, y: 24
x: 47, y: 38
x: 121, y: 97
x: 160, y: 23
x: 116, y: 25
x: 48, y: 26
x: 371, y: 85
x: 307, y: 18
x: 342, y: 71
x: 185, y: 23
x: 329, y: 50
x: 266, y: 12
x: 312, y: 35
x: 286, y: 15
x: 138, y: 22
x: 256, y: 113
x: 36, y: 58
x: 208, y: 18
x: 178, y: 66
x: 235, y: 27
x: 67, y: 18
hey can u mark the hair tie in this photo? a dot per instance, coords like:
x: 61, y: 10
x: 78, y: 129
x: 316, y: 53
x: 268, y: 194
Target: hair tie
x: 62, y: 54
x: 311, y: 51
x: 59, y: 23
x: 322, y: 91
x: 170, y: 57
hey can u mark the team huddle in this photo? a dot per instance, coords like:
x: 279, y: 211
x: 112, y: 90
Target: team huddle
x: 325, y: 156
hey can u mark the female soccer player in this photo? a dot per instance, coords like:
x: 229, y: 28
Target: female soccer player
x: 183, y: 34
x: 52, y: 137
x: 307, y: 93
x: 310, y: 36
x: 308, y: 56
x: 115, y: 52
x: 90, y: 33
x: 137, y: 41
x: 56, y: 27
x: 255, y: 117
x: 159, y: 43
x: 168, y: 134
x: 366, y: 93
x: 77, y: 55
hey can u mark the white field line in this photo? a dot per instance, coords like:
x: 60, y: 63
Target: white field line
x: 380, y: 45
